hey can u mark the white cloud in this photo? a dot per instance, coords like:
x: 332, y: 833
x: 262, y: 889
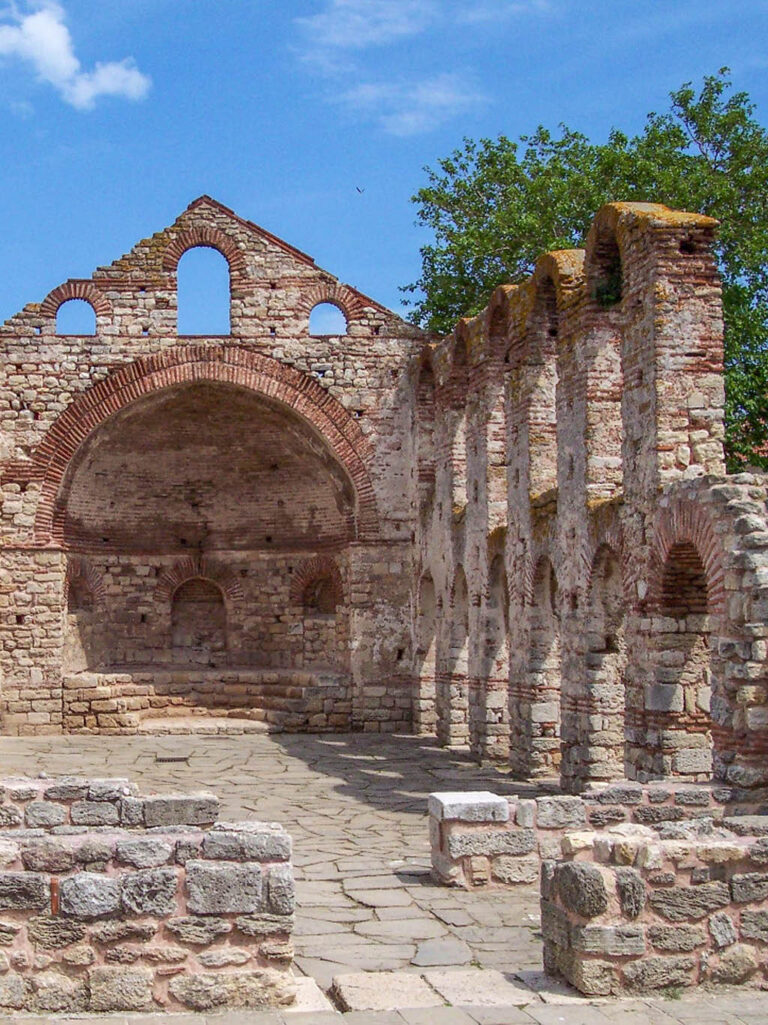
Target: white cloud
x: 410, y: 108
x: 333, y: 38
x: 355, y: 24
x: 42, y: 39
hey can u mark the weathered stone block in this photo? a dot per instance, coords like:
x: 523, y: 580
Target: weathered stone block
x: 754, y: 925
x: 55, y: 992
x: 47, y: 855
x: 181, y: 810
x: 198, y: 931
x: 736, y: 965
x: 722, y: 930
x: 472, y: 806
x: 44, y: 814
x: 68, y: 788
x: 676, y: 938
x: 223, y: 887
x: 749, y: 886
x: 615, y: 940
x: 560, y: 813
x: 120, y: 989
x: 51, y: 932
x: 261, y: 988
x: 23, y: 891
x: 264, y: 924
x: 631, y: 890
x: 652, y: 973
x: 89, y: 895
x: 511, y: 870
x: 117, y: 931
x: 144, y: 852
x: 581, y: 888
x: 12, y: 992
x: 281, y: 892
x: 678, y: 903
x: 94, y: 813
x: 150, y: 891
x: 489, y: 842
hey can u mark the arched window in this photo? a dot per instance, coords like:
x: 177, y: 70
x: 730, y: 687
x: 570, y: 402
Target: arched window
x: 79, y: 596
x: 203, y: 292
x: 677, y: 700
x: 327, y: 319
x: 198, y: 621
x: 605, y: 271
x: 76, y: 317
x: 320, y: 597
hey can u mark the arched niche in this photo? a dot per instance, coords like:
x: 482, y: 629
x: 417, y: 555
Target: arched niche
x: 424, y: 712
x: 543, y: 684
x: 83, y: 637
x: 452, y: 692
x: 491, y: 698
x: 198, y: 623
x: 203, y: 292
x: 678, y: 699
x: 606, y: 663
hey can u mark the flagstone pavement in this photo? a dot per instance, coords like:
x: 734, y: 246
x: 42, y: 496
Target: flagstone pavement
x: 355, y: 805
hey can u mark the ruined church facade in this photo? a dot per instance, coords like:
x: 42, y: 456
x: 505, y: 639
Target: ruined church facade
x: 520, y: 538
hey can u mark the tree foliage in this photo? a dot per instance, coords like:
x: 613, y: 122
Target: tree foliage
x: 493, y: 206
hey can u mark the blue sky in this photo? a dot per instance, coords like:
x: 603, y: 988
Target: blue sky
x: 114, y: 116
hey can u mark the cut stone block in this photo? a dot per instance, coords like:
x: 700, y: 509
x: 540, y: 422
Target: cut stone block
x: 472, y: 806
x: 477, y: 987
x: 383, y: 991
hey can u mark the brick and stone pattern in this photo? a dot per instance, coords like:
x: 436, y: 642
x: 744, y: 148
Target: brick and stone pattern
x: 479, y: 839
x: 629, y: 911
x: 520, y: 538
x: 115, y: 901
x: 589, y: 582
x: 233, y: 508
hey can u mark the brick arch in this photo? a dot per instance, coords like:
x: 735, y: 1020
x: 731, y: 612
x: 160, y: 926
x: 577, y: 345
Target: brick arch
x: 81, y: 569
x: 312, y: 570
x: 76, y: 289
x: 686, y: 522
x: 198, y: 566
x: 210, y: 238
x: 227, y: 364
x: 343, y: 297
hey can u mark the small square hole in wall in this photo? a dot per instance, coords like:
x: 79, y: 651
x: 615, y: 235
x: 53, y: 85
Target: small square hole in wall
x: 38, y: 330
x: 20, y: 620
x: 145, y: 331
x: 143, y: 617
x: 273, y: 332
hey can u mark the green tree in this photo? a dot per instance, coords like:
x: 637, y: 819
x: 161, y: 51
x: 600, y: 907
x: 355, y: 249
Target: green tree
x: 494, y: 206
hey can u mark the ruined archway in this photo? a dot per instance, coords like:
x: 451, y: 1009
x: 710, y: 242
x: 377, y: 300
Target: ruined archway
x: 201, y: 502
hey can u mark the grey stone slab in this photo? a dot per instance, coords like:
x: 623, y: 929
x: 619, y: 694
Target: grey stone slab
x: 442, y: 952
x: 435, y: 1016
x: 470, y: 806
x: 383, y: 991
x: 482, y: 988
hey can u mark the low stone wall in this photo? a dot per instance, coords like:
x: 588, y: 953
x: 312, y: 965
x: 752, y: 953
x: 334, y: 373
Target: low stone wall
x: 289, y: 700
x: 114, y: 901
x: 480, y: 839
x: 627, y: 911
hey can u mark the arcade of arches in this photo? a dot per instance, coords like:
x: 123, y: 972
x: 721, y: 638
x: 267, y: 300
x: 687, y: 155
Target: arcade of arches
x: 520, y: 538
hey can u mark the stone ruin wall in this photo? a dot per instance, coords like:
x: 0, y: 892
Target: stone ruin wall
x: 115, y: 901
x: 590, y: 584
x: 522, y: 531
x: 266, y: 557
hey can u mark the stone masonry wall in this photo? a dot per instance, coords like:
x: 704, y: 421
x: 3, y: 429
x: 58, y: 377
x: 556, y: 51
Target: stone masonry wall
x: 480, y: 839
x: 569, y: 456
x: 251, y: 461
x: 114, y: 901
x: 629, y: 912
